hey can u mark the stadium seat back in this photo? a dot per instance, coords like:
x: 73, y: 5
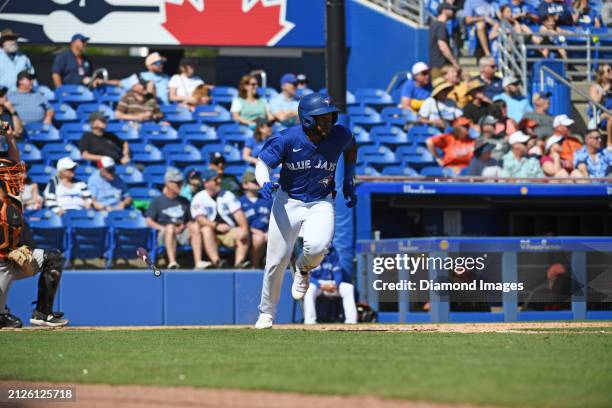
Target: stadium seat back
x: 214, y: 114
x: 64, y: 113
x: 124, y: 130
x: 146, y: 153
x: 130, y: 175
x: 87, y: 234
x: 48, y: 231
x: 399, y: 171
x: 392, y: 115
x: 85, y: 109
x: 181, y: 154
x: 30, y: 154
x: 73, y: 132
x: 154, y: 175
x: 74, y: 94
x: 198, y: 134
x: 42, y: 133
x: 52, y: 152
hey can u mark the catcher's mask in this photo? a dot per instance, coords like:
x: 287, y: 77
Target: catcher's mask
x: 12, y: 176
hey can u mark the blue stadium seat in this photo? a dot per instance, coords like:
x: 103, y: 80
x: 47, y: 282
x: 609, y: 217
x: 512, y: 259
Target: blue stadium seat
x: 364, y: 170
x: 30, y: 154
x: 437, y: 171
x: 128, y: 231
x: 234, y: 133
x: 158, y: 134
x: 420, y: 133
x: 413, y: 150
x: 376, y: 156
x: 87, y: 234
x: 109, y: 94
x: 144, y: 193
x: 64, y: 113
x: 124, y: 130
x: 73, y: 132
x: 41, y: 174
x: 198, y: 134
x: 389, y: 135
x: 74, y: 94
x: 362, y: 136
x: 40, y: 133
x: 131, y: 175
x: 363, y: 116
x: 179, y: 118
x: 238, y: 169
x: 350, y: 98
x: 46, y: 92
x: 373, y: 97
x: 54, y: 151
x: 267, y: 92
x: 231, y: 154
x: 181, y: 154
x: 47, y: 229
x: 154, y: 175
x: 392, y: 115
x: 146, y: 153
x: 299, y: 92
x: 214, y: 114
x: 419, y: 161
x: 399, y: 171
x: 223, y: 95
x: 84, y: 172
x: 85, y: 109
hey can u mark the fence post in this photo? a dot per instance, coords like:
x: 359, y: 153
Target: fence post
x: 510, y: 274
x: 524, y: 65
x: 579, y: 285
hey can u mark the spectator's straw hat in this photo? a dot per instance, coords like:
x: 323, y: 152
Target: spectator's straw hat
x: 518, y: 137
x: 419, y: 67
x: 154, y: 57
x: 440, y: 85
x: 7, y: 34
x: 65, y: 163
x: 475, y: 85
x: 551, y: 141
x: 562, y: 120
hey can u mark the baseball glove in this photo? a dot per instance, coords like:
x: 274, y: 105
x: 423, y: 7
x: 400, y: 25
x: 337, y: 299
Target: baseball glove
x: 22, y: 256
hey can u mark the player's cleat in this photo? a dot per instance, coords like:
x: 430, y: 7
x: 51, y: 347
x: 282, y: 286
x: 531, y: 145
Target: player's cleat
x: 264, y: 321
x: 301, y: 281
x: 10, y: 321
x: 52, y: 320
x: 203, y: 265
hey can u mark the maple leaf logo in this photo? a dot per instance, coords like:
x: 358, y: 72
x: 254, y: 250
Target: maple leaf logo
x: 227, y: 22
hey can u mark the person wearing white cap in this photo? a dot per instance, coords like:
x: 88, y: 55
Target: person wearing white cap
x: 108, y: 190
x: 561, y: 125
x: 64, y: 192
x: 516, y: 162
x: 416, y: 90
x: 517, y: 104
x: 154, y: 62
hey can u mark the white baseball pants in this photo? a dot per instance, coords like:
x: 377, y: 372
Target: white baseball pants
x: 316, y: 220
x: 345, y: 290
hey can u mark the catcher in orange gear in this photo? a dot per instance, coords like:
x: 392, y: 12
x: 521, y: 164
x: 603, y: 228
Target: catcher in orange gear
x: 18, y: 256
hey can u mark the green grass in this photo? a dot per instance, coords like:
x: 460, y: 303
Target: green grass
x: 511, y: 369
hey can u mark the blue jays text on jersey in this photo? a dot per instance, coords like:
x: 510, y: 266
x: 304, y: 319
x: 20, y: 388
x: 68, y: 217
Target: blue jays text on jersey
x: 308, y: 170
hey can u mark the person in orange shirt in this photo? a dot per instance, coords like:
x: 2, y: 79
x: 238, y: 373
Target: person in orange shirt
x: 570, y: 143
x: 457, y: 146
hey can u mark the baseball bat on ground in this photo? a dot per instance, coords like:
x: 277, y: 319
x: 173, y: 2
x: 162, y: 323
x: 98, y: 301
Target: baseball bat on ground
x: 144, y: 255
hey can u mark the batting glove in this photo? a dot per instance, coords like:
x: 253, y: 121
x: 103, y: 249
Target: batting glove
x: 348, y: 187
x: 268, y: 189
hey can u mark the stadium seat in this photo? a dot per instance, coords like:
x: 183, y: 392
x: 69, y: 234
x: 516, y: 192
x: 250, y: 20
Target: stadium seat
x: 52, y: 152
x: 63, y: 113
x: 234, y: 133
x: 437, y: 171
x: 299, y: 92
x: 85, y: 109
x: 181, y: 154
x: 87, y: 234
x: 124, y: 130
x: 214, y: 114
x: 158, y: 134
x: 364, y: 170
x: 399, y: 171
x: 41, y: 174
x: 47, y: 229
x: 109, y: 94
x: 420, y: 133
x: 223, y: 95
x: 131, y: 175
x: 46, y: 92
x: 350, y: 98
x: 238, y: 169
x: 392, y: 115
x: 144, y: 193
x: 373, y: 97
x: 412, y: 150
x: 178, y: 118
x: 84, y: 172
x: 154, y: 175
x: 419, y: 161
x: 362, y: 137
x: 30, y: 154
x: 376, y: 156
x: 267, y: 92
x: 363, y: 116
x: 40, y: 133
x: 73, y: 132
x: 74, y: 94
x: 128, y: 231
x: 231, y: 154
x: 388, y: 135
x: 146, y: 153
x: 198, y: 134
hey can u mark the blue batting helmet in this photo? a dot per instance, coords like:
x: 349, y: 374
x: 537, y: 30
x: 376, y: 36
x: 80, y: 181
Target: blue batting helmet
x: 315, y: 104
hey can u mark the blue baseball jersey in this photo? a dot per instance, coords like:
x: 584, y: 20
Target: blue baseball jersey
x: 328, y: 270
x: 307, y: 172
x: 257, y: 212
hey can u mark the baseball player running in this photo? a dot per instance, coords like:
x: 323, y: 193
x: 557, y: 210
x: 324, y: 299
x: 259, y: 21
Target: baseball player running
x: 308, y: 154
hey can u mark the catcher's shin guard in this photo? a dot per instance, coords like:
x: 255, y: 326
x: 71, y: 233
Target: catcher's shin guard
x: 50, y: 275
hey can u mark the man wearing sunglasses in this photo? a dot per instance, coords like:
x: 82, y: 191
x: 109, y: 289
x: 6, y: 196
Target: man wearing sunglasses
x: 592, y: 160
x: 155, y: 74
x: 488, y: 71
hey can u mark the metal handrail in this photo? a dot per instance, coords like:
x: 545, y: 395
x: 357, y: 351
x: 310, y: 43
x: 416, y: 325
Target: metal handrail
x: 396, y: 78
x: 495, y: 180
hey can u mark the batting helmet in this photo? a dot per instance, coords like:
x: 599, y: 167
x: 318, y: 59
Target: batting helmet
x: 315, y: 104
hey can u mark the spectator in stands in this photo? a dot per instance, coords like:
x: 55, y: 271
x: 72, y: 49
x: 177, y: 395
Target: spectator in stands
x: 487, y: 126
x: 517, y: 104
x: 541, y: 103
x: 182, y: 85
x: 30, y: 197
x: 138, y: 104
x: 73, y: 66
x: 438, y: 110
x: 457, y: 146
x: 248, y: 106
x: 98, y: 143
x: 414, y: 91
x: 9, y: 114
x: 584, y: 16
x: 481, y: 15
x: 458, y: 94
x: 552, y: 164
x: 108, y: 189
x: 600, y: 91
x: 194, y: 185
x: 554, y: 294
x: 155, y: 74
x: 284, y: 106
x: 478, y: 104
x: 553, y: 35
x: 12, y: 61
x: 257, y: 211
x: 516, y: 163
x: 200, y: 96
x: 505, y: 125
x: 556, y: 8
x: 65, y: 192
x: 571, y: 143
x: 482, y: 163
x: 330, y: 280
x: 302, y: 85
x: 252, y: 147
x: 440, y: 53
x: 229, y: 182
x: 169, y: 215
x: 220, y: 220
x: 537, y: 145
x: 31, y: 106
x: 593, y: 160
x: 506, y: 15
x: 606, y: 13
x: 523, y: 12
x: 493, y: 84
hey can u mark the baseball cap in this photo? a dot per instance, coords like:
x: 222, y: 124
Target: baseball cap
x: 249, y: 177
x: 208, y: 174
x: 154, y: 57
x: 173, y: 175
x: 552, y: 140
x: 419, y: 67
x: 487, y: 120
x: 79, y: 37
x: 106, y: 162
x: 510, y: 80
x: 288, y: 78
x: 540, y: 95
x: 301, y: 78
x: 65, y: 163
x: 217, y: 158
x: 562, y: 120
x: 97, y: 116
x: 194, y: 174
x: 518, y: 137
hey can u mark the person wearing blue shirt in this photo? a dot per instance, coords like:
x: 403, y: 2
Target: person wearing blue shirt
x: 31, y: 106
x: 73, y: 66
x: 481, y: 14
x: 558, y: 8
x: 329, y: 279
x: 253, y: 145
x: 584, y: 16
x: 304, y: 203
x: 108, y: 190
x: 416, y: 90
x: 257, y: 211
x: 488, y: 76
x: 523, y: 12
x: 517, y: 104
x: 591, y: 159
x: 284, y: 105
x: 12, y: 60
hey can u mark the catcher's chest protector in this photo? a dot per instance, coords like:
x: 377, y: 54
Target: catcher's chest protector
x: 11, y: 221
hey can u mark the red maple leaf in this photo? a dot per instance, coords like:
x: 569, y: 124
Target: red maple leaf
x: 223, y: 22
